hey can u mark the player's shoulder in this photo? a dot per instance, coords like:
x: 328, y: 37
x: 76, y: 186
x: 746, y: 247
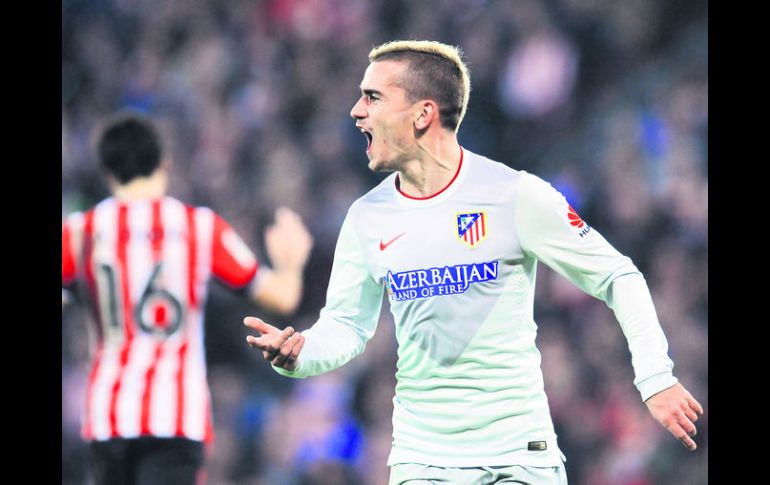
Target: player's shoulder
x: 536, y: 195
x: 74, y: 220
x: 487, y: 178
x: 178, y: 203
x: 485, y: 166
x: 184, y: 216
x: 534, y: 186
x: 376, y: 201
x: 377, y: 195
x: 77, y: 217
x: 173, y: 204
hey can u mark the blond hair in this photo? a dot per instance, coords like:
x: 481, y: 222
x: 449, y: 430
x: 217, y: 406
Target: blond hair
x: 436, y: 71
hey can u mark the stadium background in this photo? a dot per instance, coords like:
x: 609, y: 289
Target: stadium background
x: 608, y: 100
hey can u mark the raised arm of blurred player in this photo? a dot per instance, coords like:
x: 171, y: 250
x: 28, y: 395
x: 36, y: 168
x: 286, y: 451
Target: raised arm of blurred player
x: 288, y: 245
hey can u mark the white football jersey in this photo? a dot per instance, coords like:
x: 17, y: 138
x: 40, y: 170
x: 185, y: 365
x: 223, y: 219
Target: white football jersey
x: 459, y: 271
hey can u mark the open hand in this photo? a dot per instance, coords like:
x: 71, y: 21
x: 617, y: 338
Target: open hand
x: 677, y: 411
x: 279, y: 347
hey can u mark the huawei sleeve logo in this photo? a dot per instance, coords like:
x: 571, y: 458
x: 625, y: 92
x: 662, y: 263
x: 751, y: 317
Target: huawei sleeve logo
x: 574, y: 218
x: 577, y: 222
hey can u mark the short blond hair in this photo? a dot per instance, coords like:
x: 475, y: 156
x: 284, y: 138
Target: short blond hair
x: 436, y: 72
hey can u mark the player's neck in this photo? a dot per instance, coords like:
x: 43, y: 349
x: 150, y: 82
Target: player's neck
x: 141, y: 188
x: 433, y: 168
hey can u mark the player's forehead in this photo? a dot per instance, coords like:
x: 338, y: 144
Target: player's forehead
x: 383, y: 76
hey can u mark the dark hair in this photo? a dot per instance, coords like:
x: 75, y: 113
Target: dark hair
x: 129, y: 147
x: 432, y: 76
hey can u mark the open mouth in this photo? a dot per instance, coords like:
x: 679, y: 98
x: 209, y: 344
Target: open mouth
x: 368, y: 138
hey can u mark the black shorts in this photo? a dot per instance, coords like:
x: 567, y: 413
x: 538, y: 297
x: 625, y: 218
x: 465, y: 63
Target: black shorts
x: 146, y: 461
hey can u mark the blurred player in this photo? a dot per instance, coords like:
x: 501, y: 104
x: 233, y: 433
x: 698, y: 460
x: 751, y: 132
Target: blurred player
x: 142, y: 261
x: 454, y: 239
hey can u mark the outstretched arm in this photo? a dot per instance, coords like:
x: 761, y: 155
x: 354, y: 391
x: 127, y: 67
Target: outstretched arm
x: 288, y: 244
x: 677, y: 411
x: 345, y: 325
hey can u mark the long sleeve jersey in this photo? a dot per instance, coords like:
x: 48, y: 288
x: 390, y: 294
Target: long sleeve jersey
x: 459, y: 271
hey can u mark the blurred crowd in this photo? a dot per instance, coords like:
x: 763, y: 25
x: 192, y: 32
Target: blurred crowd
x: 607, y: 100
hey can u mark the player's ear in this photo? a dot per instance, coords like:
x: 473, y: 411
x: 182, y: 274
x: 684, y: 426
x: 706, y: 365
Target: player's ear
x: 425, y: 114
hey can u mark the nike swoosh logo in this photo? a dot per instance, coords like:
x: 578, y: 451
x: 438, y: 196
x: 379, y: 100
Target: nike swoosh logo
x: 385, y: 246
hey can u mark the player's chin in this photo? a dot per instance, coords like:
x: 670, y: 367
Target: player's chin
x: 376, y: 165
x: 380, y: 165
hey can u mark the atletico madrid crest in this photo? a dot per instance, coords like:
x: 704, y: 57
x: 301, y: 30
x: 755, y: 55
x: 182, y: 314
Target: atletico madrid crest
x: 472, y: 227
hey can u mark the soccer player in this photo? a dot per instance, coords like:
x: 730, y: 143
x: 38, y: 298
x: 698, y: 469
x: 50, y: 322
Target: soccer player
x: 453, y: 238
x: 142, y: 261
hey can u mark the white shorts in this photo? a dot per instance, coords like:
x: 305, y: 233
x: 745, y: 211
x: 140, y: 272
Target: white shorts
x: 417, y: 474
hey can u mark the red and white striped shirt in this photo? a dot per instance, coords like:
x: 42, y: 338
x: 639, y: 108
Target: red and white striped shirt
x: 144, y: 267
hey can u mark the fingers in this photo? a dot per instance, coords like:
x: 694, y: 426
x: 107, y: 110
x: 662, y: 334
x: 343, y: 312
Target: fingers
x: 284, y: 215
x: 286, y: 219
x: 271, y: 341
x: 297, y: 349
x: 288, y: 240
x: 691, y: 415
x: 681, y: 425
x: 259, y: 325
x: 677, y: 411
x: 682, y: 422
x: 287, y: 355
x: 695, y: 405
x: 692, y: 409
x: 688, y: 426
x: 255, y: 343
x: 274, y: 345
x: 682, y: 435
x: 291, y: 223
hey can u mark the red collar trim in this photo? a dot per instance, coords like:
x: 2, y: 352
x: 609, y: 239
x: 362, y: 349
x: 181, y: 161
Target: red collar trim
x: 459, y: 166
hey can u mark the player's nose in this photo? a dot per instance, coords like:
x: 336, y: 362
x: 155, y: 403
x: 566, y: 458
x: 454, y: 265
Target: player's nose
x: 358, y: 111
